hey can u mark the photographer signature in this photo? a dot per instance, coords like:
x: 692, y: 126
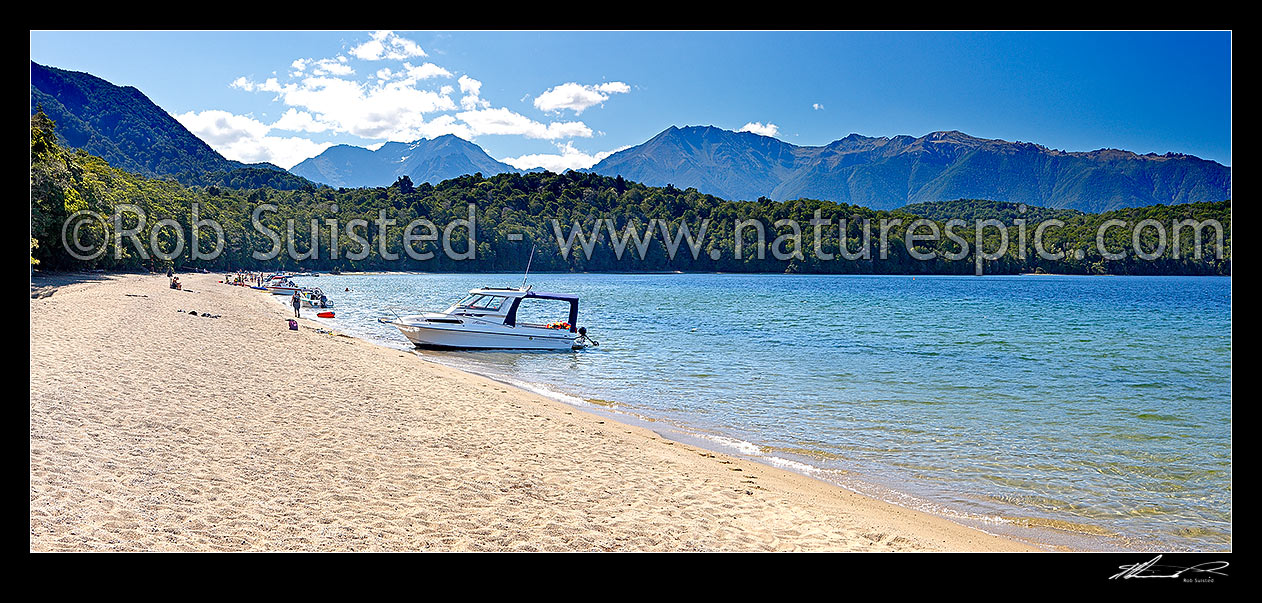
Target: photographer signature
x: 1150, y: 569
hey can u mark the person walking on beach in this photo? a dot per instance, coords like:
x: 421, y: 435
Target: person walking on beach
x: 297, y: 305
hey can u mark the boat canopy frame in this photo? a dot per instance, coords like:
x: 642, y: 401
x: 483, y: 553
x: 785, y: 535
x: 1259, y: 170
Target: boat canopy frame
x: 511, y: 318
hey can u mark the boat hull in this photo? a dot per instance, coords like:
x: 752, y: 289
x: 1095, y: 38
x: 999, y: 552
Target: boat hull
x: 471, y: 339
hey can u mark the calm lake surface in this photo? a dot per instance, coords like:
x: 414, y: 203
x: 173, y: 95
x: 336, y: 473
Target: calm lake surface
x: 1099, y: 406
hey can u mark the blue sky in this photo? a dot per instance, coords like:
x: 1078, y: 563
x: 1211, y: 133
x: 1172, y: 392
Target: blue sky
x: 565, y: 99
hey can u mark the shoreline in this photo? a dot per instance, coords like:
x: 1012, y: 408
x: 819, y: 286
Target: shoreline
x: 533, y: 473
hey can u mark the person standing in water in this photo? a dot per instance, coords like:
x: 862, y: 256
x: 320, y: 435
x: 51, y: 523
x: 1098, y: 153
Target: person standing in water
x: 297, y: 302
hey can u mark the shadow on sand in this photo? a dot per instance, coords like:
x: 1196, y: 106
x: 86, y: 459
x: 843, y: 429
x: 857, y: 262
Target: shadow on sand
x: 44, y: 284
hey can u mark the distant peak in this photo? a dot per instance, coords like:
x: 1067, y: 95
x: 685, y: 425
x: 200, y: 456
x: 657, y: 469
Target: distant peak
x: 694, y: 129
x: 949, y: 135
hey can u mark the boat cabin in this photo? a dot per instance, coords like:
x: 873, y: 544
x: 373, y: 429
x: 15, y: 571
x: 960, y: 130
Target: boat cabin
x: 490, y: 303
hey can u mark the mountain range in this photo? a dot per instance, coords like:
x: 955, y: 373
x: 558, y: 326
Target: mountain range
x: 881, y: 173
x: 124, y: 127
x: 431, y: 161
x: 885, y: 172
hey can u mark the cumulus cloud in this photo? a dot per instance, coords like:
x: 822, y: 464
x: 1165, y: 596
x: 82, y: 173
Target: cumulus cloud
x: 395, y: 100
x: 569, y: 158
x: 221, y: 127
x: 472, y: 98
x: 271, y: 84
x: 768, y: 129
x: 501, y: 121
x: 300, y: 121
x: 246, y: 139
x: 335, y: 66
x: 387, y: 45
x: 382, y: 109
x: 398, y: 109
x: 469, y: 85
x: 425, y: 71
x: 817, y: 107
x: 577, y: 97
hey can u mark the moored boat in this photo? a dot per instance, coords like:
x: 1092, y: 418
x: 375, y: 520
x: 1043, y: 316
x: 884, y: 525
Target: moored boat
x: 314, y: 298
x: 283, y: 287
x: 488, y: 318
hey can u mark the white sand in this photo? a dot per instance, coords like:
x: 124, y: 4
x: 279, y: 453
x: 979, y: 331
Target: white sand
x: 156, y: 430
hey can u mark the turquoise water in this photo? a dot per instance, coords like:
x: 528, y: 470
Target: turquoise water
x: 1098, y: 405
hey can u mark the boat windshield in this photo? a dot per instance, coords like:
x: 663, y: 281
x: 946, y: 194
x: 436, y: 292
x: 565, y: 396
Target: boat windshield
x: 481, y: 302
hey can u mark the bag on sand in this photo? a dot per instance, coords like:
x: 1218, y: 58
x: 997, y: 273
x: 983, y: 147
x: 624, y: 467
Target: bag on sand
x: 293, y: 325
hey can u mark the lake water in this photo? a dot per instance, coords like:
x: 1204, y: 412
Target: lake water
x: 1098, y: 406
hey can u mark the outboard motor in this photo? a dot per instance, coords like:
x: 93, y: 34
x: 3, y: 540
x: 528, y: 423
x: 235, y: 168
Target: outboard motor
x: 583, y: 340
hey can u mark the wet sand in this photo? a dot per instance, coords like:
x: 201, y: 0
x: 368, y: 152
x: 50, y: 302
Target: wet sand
x: 152, y: 429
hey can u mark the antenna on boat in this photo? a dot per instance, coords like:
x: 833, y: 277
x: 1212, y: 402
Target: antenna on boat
x: 528, y: 261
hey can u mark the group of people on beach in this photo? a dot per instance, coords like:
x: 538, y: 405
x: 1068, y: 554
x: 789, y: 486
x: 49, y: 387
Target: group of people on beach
x: 245, y: 279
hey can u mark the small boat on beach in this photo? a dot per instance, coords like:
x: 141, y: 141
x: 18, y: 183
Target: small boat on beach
x: 488, y: 319
x: 283, y: 287
x: 314, y: 298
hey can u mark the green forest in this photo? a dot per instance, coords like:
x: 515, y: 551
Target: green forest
x: 515, y: 213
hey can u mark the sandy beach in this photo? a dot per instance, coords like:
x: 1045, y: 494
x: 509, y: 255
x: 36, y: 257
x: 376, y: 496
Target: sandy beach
x: 156, y: 430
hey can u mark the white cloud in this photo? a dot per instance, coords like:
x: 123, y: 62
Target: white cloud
x: 472, y: 103
x: 387, y: 45
x: 399, y: 102
x: 425, y: 71
x: 284, y: 152
x: 300, y: 121
x: 269, y: 85
x: 336, y: 66
x: 577, y: 97
x: 397, y: 109
x: 569, y: 158
x: 472, y: 99
x: 246, y: 139
x: 389, y: 109
x: 817, y: 107
x: 440, y: 125
x: 221, y: 127
x: 469, y: 85
x: 768, y: 129
x: 502, y: 121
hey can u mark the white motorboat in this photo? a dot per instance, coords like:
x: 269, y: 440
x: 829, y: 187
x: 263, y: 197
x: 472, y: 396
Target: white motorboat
x: 488, y: 319
x: 314, y: 298
x: 283, y: 287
